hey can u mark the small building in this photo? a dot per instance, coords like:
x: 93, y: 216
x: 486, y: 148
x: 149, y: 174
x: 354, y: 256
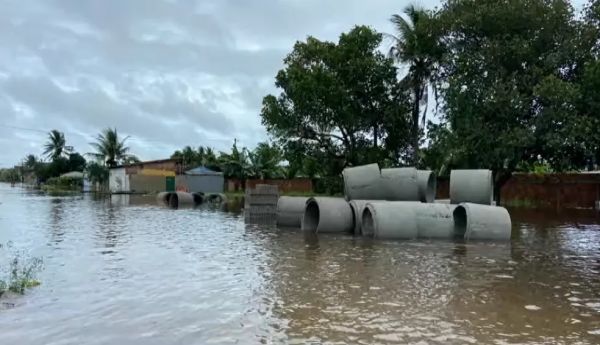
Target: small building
x: 200, y: 179
x: 145, y: 177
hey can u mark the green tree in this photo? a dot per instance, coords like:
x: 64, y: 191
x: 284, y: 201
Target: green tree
x: 265, y: 161
x: 111, y: 150
x: 506, y: 73
x: 56, y: 145
x: 97, y: 173
x: 339, y: 102
x: 417, y: 45
x: 235, y: 164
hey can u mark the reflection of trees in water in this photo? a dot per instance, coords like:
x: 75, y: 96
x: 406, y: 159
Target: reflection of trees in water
x: 110, y: 228
x: 57, y: 215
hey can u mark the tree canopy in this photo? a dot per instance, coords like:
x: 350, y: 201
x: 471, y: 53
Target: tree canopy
x: 340, y: 103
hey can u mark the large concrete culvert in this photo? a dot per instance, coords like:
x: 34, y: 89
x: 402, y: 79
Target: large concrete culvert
x: 390, y: 220
x: 181, y: 199
x: 399, y: 184
x: 427, y: 184
x: 290, y: 211
x: 363, y: 183
x: 327, y: 215
x: 163, y: 198
x: 472, y: 186
x: 358, y: 208
x: 482, y: 222
x: 435, y: 221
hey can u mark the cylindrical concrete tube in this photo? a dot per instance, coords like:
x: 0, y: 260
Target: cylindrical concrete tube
x: 482, y: 222
x: 358, y: 207
x: 427, y: 182
x: 435, y: 220
x: 363, y: 183
x: 198, y: 198
x: 473, y: 186
x: 290, y: 211
x: 181, y: 199
x: 327, y: 215
x: 399, y: 184
x: 163, y: 198
x: 390, y: 220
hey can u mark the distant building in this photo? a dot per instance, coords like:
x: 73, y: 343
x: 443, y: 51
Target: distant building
x: 145, y: 177
x: 200, y: 179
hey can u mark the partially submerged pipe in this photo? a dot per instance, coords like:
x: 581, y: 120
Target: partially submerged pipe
x: 482, y: 222
x: 427, y: 182
x: 363, y: 183
x: 472, y: 186
x: 290, y: 211
x: 435, y: 220
x: 399, y: 184
x: 327, y: 215
x: 181, y: 199
x: 390, y: 220
x: 163, y: 198
x: 358, y: 208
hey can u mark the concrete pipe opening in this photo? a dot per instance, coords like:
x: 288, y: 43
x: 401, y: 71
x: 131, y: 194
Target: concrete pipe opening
x: 400, y: 184
x: 333, y: 215
x: 163, y: 198
x: 358, y: 208
x: 472, y: 186
x: 460, y: 222
x: 290, y: 211
x: 427, y: 182
x: 368, y: 223
x: 390, y: 220
x: 363, y: 183
x: 482, y: 222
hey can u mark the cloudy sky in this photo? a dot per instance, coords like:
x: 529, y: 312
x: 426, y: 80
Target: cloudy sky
x: 166, y: 73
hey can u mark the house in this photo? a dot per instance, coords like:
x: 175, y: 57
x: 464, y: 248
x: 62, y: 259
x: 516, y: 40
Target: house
x: 200, y: 179
x: 145, y: 177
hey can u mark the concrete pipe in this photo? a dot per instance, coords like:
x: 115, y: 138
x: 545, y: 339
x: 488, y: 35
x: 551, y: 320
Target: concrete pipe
x: 181, y: 199
x: 358, y: 207
x: 390, y: 220
x: 163, y: 198
x: 363, y: 183
x: 474, y: 186
x: 327, y: 215
x: 427, y: 182
x: 482, y: 222
x: 435, y: 220
x: 290, y: 211
x: 400, y: 184
x: 198, y: 198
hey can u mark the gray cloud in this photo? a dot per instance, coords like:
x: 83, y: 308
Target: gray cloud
x: 167, y: 73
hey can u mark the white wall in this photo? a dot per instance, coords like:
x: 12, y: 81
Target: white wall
x: 118, y: 181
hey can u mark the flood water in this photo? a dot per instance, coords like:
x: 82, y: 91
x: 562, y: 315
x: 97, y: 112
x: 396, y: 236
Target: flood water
x: 124, y: 271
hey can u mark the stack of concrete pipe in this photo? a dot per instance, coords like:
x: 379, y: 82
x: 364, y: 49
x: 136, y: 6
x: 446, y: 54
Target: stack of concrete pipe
x: 400, y: 203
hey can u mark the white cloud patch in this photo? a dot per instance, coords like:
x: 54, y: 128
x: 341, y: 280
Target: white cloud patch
x: 166, y: 73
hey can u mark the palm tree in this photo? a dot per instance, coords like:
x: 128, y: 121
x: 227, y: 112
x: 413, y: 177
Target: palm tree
x: 110, y: 149
x: 417, y: 45
x: 56, y: 145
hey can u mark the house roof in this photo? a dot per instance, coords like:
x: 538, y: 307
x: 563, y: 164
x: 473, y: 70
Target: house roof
x: 202, y: 170
x: 176, y: 160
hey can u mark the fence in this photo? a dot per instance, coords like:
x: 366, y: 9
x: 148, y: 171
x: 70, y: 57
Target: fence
x: 299, y: 185
x: 559, y: 191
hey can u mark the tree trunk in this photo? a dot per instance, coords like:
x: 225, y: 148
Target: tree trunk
x: 375, y: 135
x: 415, y: 123
x: 500, y: 179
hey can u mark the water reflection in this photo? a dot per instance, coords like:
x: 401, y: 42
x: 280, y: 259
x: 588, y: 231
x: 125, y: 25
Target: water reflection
x: 124, y: 270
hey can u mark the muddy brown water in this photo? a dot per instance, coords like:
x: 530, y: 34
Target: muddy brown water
x: 122, y: 270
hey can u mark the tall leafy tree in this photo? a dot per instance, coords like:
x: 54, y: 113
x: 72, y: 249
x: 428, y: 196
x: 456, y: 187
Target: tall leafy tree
x: 55, y: 147
x: 265, y: 161
x: 507, y: 73
x: 417, y: 45
x: 339, y: 102
x: 235, y: 164
x: 110, y: 149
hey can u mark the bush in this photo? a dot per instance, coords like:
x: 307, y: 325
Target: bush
x: 20, y: 275
x: 65, y: 183
x: 333, y: 185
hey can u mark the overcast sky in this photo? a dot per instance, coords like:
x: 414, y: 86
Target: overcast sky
x: 166, y: 73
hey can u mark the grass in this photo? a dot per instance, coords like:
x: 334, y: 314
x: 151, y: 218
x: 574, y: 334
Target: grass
x: 21, y: 275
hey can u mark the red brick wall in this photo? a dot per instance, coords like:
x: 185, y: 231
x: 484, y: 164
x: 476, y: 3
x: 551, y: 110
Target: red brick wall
x: 301, y: 185
x: 552, y: 190
x: 544, y: 191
